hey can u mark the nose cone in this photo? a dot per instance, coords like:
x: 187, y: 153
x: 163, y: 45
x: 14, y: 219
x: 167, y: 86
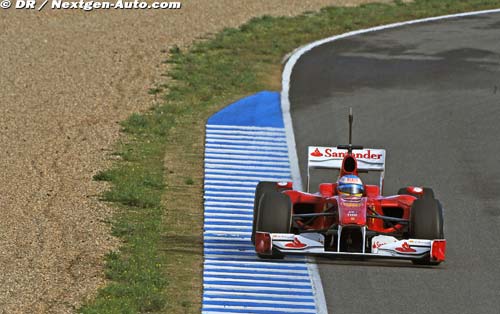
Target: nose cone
x: 352, y: 211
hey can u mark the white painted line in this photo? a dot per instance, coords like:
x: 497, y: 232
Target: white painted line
x: 240, y: 227
x: 229, y: 245
x: 219, y: 193
x: 231, y: 239
x: 317, y: 286
x: 234, y: 249
x: 218, y: 312
x: 230, y: 233
x: 266, y: 173
x: 240, y: 127
x: 226, y: 220
x: 254, y: 288
x: 219, y: 166
x: 275, y: 139
x: 254, y: 294
x: 236, y: 151
x: 211, y: 132
x: 256, y: 275
x: 250, y: 142
x: 272, y: 265
x: 255, y: 308
x: 259, y: 301
x: 249, y: 205
x: 219, y: 187
x: 250, y: 216
x: 246, y: 258
x: 222, y: 210
x: 247, y: 162
x: 221, y: 198
x: 246, y: 157
x: 256, y: 281
x: 249, y: 147
x: 232, y: 183
x: 256, y: 178
x: 256, y: 270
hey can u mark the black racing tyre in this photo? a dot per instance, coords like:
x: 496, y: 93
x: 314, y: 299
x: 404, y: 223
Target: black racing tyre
x: 428, y: 193
x: 426, y: 222
x: 273, y: 215
x: 262, y: 187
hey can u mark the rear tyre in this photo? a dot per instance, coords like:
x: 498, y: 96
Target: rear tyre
x: 426, y: 222
x: 428, y: 193
x: 273, y: 215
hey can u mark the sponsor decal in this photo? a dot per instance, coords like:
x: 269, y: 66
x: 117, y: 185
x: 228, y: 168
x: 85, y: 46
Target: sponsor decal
x: 296, y: 244
x: 405, y: 248
x: 352, y: 213
x: 350, y: 179
x: 282, y: 236
x: 352, y: 204
x: 381, y: 240
x: 329, y: 152
x: 316, y: 153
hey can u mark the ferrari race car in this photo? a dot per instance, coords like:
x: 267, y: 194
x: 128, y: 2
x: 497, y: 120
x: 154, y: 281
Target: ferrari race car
x: 348, y: 218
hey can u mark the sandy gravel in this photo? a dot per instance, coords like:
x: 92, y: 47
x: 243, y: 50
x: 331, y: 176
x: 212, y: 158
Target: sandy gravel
x: 67, y: 78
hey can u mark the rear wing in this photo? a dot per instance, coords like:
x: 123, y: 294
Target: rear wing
x: 369, y: 159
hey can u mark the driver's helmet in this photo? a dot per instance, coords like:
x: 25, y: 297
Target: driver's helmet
x: 350, y: 186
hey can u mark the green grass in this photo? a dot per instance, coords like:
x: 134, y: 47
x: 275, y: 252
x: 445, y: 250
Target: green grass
x: 157, y: 184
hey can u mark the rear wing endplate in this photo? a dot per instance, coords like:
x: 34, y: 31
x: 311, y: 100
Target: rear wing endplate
x: 369, y: 159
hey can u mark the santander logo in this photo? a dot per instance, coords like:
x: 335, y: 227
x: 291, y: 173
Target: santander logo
x: 332, y: 152
x: 405, y: 248
x: 296, y: 244
x: 316, y: 153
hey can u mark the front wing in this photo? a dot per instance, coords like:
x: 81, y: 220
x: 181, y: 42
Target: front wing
x: 381, y: 247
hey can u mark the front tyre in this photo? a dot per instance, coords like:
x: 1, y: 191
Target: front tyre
x: 262, y: 187
x: 426, y: 222
x: 273, y: 215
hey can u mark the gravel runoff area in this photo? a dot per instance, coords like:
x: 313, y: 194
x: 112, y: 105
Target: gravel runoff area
x: 67, y: 77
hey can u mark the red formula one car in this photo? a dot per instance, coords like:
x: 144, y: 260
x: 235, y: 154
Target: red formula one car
x: 348, y: 218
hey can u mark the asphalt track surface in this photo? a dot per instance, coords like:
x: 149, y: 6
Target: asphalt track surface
x: 429, y: 94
